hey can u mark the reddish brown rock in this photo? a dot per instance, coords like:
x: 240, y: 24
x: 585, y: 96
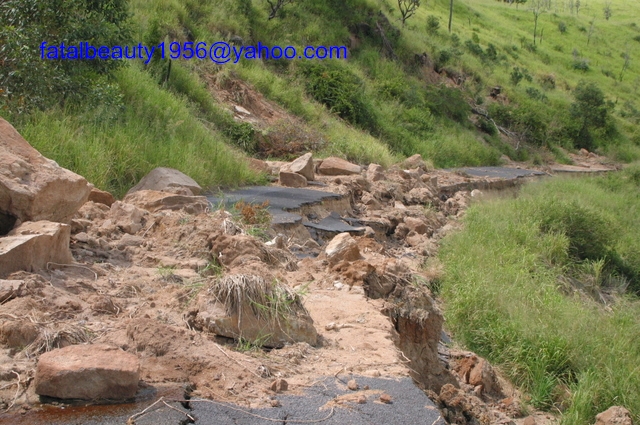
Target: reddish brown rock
x: 615, y: 415
x: 32, y: 245
x: 375, y: 172
x: 10, y: 289
x: 342, y: 247
x: 259, y: 165
x: 302, y: 165
x: 386, y: 398
x: 416, y: 225
x: 279, y: 385
x: 333, y: 166
x: 33, y: 187
x: 18, y: 334
x: 101, y: 197
x: 88, y: 372
x: 415, y: 161
x: 127, y: 217
x: 290, y: 179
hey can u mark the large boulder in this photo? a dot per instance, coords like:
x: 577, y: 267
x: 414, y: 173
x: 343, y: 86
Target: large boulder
x: 32, y: 187
x: 88, y: 372
x: 162, y: 178
x: 333, y: 166
x: 302, y: 165
x: 153, y: 200
x: 32, y: 245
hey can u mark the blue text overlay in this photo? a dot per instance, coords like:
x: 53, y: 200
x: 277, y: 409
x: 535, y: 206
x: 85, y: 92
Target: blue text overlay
x: 219, y: 52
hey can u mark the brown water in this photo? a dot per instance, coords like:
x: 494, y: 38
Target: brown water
x: 47, y: 414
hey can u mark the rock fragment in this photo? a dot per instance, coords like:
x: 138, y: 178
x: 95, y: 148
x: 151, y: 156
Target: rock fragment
x: 163, y: 178
x: 88, y: 372
x: 333, y: 166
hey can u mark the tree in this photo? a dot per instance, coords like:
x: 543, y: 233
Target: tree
x: 627, y: 60
x: 407, y: 8
x: 591, y: 112
x: 29, y: 81
x: 538, y: 7
x: 607, y: 10
x: 592, y: 28
x: 450, y: 14
x: 276, y: 5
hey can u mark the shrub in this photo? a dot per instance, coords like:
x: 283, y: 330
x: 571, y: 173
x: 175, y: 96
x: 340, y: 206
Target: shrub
x: 448, y: 102
x: 487, y: 126
x: 526, y: 120
x: 341, y: 91
x: 518, y: 74
x: 433, y: 24
x: 474, y: 48
x: 547, y: 81
x: 455, y: 40
x: 562, y: 27
x: 580, y: 64
x: 590, y: 234
x: 491, y: 53
x: 536, y: 94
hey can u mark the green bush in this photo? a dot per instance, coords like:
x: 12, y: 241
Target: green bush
x: 581, y: 64
x: 487, y: 126
x: 474, y: 48
x: 591, y: 114
x: 527, y: 120
x: 518, y: 74
x: 448, y: 102
x: 536, y: 94
x: 589, y: 233
x: 433, y: 24
x: 334, y: 85
x: 562, y: 27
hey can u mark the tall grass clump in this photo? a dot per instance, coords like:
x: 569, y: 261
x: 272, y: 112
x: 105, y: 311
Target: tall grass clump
x: 546, y: 286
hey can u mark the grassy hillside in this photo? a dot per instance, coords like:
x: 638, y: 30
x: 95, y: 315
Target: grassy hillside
x: 546, y: 287
x: 404, y: 89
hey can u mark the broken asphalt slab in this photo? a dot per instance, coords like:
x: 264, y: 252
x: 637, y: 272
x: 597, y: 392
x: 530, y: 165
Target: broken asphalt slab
x: 497, y: 172
x: 324, y: 403
x: 281, y: 200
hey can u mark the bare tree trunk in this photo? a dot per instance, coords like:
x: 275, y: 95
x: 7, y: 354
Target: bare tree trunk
x: 450, y: 14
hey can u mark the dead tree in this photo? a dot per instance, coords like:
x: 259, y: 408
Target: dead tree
x: 407, y: 9
x: 276, y: 5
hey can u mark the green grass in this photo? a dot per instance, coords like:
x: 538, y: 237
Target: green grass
x: 507, y: 298
x: 153, y: 128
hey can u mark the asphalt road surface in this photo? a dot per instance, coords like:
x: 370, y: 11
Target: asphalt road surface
x: 410, y: 406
